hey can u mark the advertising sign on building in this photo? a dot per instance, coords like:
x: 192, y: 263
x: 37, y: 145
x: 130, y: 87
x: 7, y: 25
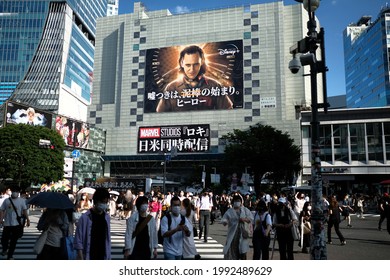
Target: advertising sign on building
x: 74, y: 133
x: 185, y: 138
x: 18, y: 113
x: 206, y: 76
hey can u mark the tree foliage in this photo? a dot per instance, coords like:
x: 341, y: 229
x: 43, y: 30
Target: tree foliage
x: 265, y: 150
x: 24, y: 161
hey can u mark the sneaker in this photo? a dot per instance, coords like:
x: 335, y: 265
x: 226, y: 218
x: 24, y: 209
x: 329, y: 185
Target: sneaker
x: 343, y: 243
x: 349, y: 225
x: 197, y: 257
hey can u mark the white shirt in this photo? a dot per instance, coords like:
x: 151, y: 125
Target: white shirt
x: 9, y: 212
x: 205, y: 203
x: 174, y: 244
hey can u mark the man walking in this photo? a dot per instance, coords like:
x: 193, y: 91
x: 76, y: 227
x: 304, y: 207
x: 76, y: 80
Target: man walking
x: 10, y: 210
x: 204, y: 207
x: 173, y: 228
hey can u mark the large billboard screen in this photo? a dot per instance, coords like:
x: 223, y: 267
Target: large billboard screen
x: 18, y: 113
x: 182, y: 138
x: 74, y: 133
x: 205, y: 76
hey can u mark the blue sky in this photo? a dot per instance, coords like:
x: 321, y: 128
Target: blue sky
x: 334, y: 16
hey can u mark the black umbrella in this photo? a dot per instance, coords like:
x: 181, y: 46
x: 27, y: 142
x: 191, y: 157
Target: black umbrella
x: 54, y: 200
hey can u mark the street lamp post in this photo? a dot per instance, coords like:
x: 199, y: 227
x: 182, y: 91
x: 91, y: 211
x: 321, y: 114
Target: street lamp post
x: 307, y: 48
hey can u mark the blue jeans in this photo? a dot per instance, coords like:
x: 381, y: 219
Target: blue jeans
x: 168, y: 256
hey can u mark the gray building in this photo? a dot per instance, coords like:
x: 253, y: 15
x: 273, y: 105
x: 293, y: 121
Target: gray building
x: 246, y: 50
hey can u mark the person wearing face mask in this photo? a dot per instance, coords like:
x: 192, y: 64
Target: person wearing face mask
x: 93, y: 236
x: 11, y: 230
x: 173, y: 230
x: 189, y: 248
x: 305, y: 227
x: 237, y: 219
x: 141, y: 233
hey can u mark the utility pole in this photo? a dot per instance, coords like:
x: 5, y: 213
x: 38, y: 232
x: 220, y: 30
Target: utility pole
x: 307, y: 48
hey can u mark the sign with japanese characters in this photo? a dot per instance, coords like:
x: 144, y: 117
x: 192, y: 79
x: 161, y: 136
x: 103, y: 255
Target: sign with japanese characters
x: 183, y: 138
x: 206, y: 76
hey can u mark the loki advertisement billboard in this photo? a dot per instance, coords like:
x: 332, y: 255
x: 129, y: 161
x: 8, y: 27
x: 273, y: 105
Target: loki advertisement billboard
x: 206, y: 76
x: 174, y: 138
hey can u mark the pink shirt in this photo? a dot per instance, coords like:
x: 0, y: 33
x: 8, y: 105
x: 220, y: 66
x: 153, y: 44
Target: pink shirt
x: 154, y: 206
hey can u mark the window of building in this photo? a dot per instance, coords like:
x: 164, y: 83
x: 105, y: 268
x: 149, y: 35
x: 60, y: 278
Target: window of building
x: 247, y: 62
x: 340, y: 140
x: 255, y: 55
x: 358, y: 147
x: 136, y: 34
x: 133, y: 111
x: 143, y: 27
x: 136, y: 47
x: 248, y: 91
x: 142, y: 40
x: 386, y: 132
x: 247, y: 35
x: 254, y: 14
x: 255, y: 41
x: 374, y: 141
x: 134, y: 85
x: 254, y: 28
x: 325, y: 141
x: 98, y: 120
x: 255, y: 69
x: 247, y: 49
x: 134, y: 72
x: 247, y: 21
x: 247, y: 77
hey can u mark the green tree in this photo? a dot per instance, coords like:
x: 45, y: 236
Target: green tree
x: 265, y: 150
x: 24, y: 161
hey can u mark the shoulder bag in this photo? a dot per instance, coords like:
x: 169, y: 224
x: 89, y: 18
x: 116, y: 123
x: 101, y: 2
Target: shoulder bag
x: 21, y: 220
x: 40, y: 243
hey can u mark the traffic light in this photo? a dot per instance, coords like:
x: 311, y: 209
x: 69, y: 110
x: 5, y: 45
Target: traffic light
x: 94, y: 177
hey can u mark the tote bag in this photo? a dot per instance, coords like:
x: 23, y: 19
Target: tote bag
x: 40, y: 242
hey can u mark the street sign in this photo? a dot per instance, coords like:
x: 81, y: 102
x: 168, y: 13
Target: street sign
x: 76, y: 153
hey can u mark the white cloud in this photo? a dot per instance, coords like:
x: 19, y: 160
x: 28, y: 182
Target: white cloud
x: 181, y: 10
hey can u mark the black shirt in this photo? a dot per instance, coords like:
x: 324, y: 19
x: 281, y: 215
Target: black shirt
x: 98, y: 236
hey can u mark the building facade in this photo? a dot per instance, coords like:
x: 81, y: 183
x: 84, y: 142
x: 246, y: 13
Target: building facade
x: 113, y: 7
x: 366, y: 57
x: 47, y: 52
x: 355, y: 149
x: 137, y: 60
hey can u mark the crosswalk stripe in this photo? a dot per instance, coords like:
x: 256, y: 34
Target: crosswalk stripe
x: 24, y: 249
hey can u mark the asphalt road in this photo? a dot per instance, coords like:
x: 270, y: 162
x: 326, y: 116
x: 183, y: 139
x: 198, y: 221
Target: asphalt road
x: 364, y: 241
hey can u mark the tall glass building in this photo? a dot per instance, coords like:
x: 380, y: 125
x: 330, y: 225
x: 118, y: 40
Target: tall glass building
x: 47, y: 53
x: 366, y: 56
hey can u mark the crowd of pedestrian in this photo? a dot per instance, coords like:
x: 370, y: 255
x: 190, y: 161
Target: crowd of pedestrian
x: 174, y: 220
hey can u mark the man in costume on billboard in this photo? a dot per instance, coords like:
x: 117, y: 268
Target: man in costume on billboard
x: 192, y: 85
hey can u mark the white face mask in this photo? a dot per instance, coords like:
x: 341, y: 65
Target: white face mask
x: 176, y: 210
x: 236, y: 204
x: 143, y: 208
x: 183, y: 212
x: 309, y: 208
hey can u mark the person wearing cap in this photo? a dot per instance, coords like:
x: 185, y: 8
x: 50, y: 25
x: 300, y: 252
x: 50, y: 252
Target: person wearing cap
x: 283, y: 220
x: 383, y: 204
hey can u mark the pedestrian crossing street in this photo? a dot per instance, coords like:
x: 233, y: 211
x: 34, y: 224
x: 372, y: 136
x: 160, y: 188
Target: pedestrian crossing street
x: 211, y: 250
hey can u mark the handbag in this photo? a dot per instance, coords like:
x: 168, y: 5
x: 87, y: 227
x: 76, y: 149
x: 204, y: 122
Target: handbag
x: 306, y: 227
x: 295, y: 231
x: 40, y: 243
x: 21, y: 221
x: 67, y: 250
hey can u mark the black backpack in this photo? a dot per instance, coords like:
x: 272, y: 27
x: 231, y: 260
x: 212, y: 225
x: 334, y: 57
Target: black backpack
x: 168, y: 215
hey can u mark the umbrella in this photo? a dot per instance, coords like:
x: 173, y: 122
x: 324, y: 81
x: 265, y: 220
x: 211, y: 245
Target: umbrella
x: 54, y: 200
x: 114, y: 192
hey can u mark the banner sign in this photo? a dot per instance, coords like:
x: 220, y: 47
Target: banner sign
x: 206, y: 76
x: 18, y: 113
x: 185, y: 138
